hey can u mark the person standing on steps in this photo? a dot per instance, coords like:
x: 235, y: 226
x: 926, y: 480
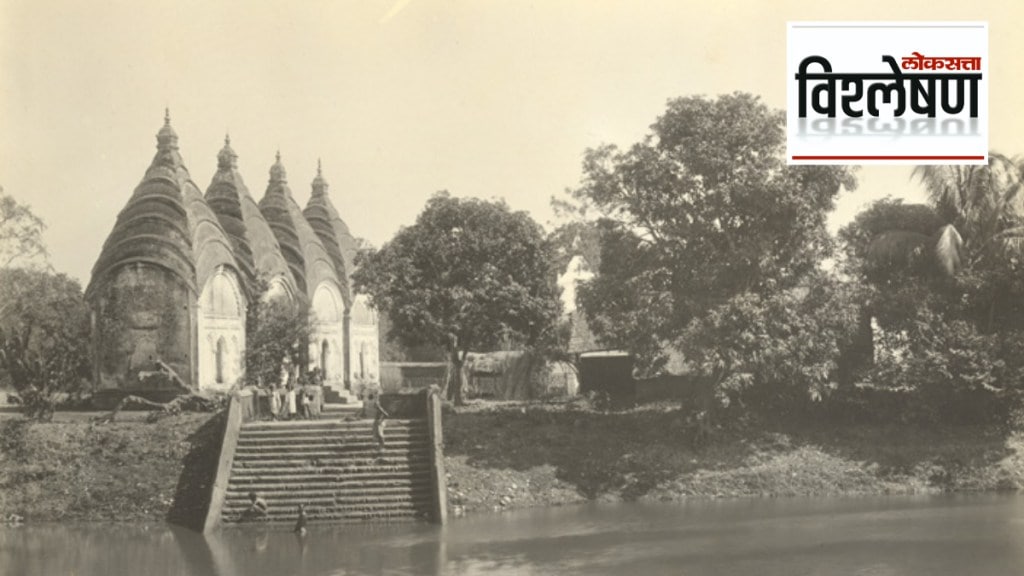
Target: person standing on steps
x: 300, y: 522
x: 289, y: 400
x: 275, y: 402
x: 304, y: 401
x: 378, y: 413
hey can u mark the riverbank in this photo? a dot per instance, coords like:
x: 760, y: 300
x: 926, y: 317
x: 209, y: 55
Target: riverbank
x: 74, y: 469
x: 503, y: 456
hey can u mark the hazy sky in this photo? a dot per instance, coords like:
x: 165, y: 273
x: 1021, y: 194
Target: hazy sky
x: 400, y: 98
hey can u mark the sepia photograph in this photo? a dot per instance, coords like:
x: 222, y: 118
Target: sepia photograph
x: 511, y: 287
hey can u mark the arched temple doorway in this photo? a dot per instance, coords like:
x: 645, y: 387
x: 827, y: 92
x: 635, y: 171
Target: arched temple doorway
x: 221, y: 327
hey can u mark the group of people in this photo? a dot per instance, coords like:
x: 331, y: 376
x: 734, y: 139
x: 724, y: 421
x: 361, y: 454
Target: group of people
x: 290, y: 400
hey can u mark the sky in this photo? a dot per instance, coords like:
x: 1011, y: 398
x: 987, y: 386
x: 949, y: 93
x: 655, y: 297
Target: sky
x: 399, y: 98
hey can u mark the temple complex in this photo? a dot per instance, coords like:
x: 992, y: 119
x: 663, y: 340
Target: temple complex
x: 172, y: 284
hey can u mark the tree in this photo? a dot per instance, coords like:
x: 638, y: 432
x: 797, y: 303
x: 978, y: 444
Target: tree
x: 984, y: 203
x: 468, y: 275
x: 21, y: 233
x: 44, y: 336
x: 966, y: 246
x: 984, y: 209
x: 701, y: 210
x: 276, y: 329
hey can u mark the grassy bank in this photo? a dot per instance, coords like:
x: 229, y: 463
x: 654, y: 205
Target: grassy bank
x: 72, y: 469
x: 506, y: 456
x: 502, y: 456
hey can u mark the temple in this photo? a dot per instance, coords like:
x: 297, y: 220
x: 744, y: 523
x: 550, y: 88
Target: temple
x: 170, y: 290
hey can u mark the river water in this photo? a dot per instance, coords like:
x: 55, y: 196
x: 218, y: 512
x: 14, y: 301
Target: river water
x: 926, y: 536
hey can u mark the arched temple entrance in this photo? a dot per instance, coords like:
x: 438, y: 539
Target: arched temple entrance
x: 326, y: 326
x: 221, y: 327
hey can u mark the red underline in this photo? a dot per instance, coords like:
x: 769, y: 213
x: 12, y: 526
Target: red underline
x: 888, y: 157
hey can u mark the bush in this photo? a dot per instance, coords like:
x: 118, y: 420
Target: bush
x: 779, y: 352
x: 44, y: 335
x: 955, y: 373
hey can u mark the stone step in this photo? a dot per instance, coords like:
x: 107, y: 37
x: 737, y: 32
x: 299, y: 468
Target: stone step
x: 336, y: 442
x: 323, y: 506
x: 346, y: 471
x: 384, y: 462
x: 324, y: 458
x: 348, y: 432
x: 240, y: 495
x: 328, y: 483
x: 339, y: 448
x: 343, y: 445
x: 292, y: 476
x: 330, y: 407
x: 325, y: 424
x: 399, y: 515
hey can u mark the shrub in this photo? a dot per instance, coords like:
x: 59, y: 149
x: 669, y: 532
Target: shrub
x: 956, y: 373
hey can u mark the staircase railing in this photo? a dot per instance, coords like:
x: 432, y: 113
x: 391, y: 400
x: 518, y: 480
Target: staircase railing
x: 241, y: 404
x: 439, y: 495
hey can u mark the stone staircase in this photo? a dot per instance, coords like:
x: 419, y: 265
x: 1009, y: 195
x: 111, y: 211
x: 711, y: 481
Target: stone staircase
x: 339, y: 398
x: 334, y: 468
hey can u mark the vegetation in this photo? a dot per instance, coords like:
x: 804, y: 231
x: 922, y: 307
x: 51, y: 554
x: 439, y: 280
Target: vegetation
x: 711, y: 246
x: 702, y: 210
x: 44, y: 323
x: 557, y: 454
x: 126, y: 471
x: 21, y: 234
x: 275, y: 330
x: 468, y: 275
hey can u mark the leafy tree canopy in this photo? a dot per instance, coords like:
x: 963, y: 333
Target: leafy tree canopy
x: 276, y: 329
x: 21, y: 233
x: 44, y: 336
x: 468, y: 275
x: 702, y: 209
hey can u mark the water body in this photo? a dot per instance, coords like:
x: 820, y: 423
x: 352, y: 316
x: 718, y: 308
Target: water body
x: 928, y: 536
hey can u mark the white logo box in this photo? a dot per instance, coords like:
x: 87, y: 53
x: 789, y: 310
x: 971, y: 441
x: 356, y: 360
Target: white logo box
x: 944, y: 63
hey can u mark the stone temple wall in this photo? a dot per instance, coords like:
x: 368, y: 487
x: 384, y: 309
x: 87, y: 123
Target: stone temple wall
x: 144, y: 314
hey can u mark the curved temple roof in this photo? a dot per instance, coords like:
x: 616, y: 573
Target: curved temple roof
x: 302, y: 248
x: 166, y: 223
x: 333, y: 232
x: 255, y: 245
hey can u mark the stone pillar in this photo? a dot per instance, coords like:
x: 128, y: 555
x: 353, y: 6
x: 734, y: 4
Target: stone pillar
x: 347, y: 348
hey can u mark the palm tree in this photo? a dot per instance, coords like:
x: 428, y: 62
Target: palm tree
x: 983, y: 207
x: 984, y: 210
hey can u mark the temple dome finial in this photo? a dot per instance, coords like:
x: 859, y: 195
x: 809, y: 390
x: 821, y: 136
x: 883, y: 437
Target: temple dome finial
x: 167, y: 138
x: 277, y: 171
x: 226, y: 158
x: 319, y: 184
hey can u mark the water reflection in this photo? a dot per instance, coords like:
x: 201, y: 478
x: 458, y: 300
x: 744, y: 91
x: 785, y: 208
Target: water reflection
x: 882, y: 536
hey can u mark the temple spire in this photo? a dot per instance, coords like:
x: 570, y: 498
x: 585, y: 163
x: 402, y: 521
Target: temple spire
x: 277, y: 172
x: 167, y: 138
x: 319, y: 184
x: 227, y: 159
